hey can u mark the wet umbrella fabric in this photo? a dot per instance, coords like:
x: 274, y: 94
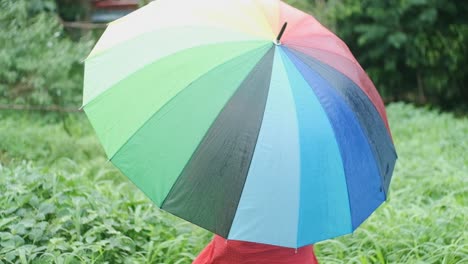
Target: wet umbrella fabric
x: 283, y: 142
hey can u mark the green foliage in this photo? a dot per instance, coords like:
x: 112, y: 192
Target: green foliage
x: 40, y: 65
x: 71, y: 139
x: 72, y: 10
x: 62, y: 202
x: 37, y: 6
x: 53, y: 216
x: 320, y: 9
x: 413, y: 49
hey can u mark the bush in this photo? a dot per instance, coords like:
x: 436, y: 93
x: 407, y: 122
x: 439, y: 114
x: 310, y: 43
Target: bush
x: 413, y: 50
x: 53, y: 216
x: 40, y: 64
x: 61, y: 202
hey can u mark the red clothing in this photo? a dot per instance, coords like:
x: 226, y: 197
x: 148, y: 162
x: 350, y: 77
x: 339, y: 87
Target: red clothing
x: 222, y: 251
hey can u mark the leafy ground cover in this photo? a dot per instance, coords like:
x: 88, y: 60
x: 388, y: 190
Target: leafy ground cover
x: 62, y: 202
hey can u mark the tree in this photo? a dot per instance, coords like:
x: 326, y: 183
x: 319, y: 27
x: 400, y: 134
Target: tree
x: 412, y: 49
x: 40, y: 64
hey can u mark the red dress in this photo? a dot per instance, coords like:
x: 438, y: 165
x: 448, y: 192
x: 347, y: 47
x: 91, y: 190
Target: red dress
x: 222, y: 251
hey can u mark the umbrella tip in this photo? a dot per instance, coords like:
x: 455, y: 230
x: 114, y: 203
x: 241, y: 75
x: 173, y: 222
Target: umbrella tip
x: 278, y: 39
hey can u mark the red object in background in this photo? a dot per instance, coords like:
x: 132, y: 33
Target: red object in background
x: 222, y: 251
x: 105, y: 11
x: 115, y: 4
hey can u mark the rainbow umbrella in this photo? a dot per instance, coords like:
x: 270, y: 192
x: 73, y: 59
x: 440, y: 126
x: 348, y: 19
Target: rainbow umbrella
x: 247, y: 118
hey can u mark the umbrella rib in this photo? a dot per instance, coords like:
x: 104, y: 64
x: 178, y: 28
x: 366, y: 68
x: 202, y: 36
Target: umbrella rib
x: 292, y: 45
x: 146, y: 121
x: 386, y: 145
x: 298, y: 137
x: 204, y: 138
x: 372, y: 103
x: 98, y: 53
x: 268, y: 22
x: 107, y: 90
x: 341, y: 154
x: 359, y: 127
x: 383, y: 116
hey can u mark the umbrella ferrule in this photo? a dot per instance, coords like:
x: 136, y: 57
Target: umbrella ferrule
x: 278, y: 39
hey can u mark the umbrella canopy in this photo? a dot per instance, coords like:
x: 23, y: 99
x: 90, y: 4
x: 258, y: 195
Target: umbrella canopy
x: 226, y: 116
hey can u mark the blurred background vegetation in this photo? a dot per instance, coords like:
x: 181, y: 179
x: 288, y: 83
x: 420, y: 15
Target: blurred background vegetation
x: 413, y: 50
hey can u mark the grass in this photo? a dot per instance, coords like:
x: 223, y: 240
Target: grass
x: 62, y: 202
